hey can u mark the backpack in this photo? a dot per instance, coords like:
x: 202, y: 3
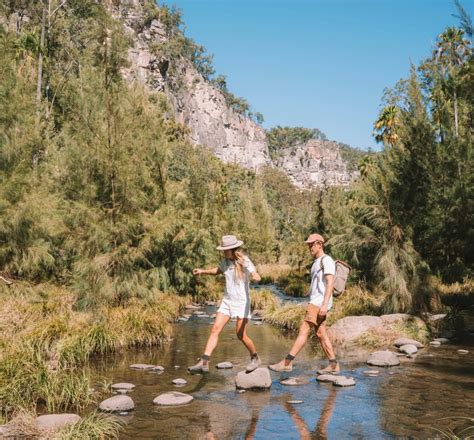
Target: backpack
x: 340, y: 278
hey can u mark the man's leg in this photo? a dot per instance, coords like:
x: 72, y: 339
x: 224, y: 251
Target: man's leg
x: 303, y: 334
x: 203, y: 364
x: 326, y: 345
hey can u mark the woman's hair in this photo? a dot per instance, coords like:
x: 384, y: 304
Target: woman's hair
x: 238, y: 260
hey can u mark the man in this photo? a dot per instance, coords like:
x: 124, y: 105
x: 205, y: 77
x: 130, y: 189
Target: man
x: 322, y: 281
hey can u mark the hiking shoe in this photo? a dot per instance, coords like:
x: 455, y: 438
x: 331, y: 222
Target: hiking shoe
x: 280, y: 366
x: 330, y: 369
x: 253, y: 365
x: 199, y: 368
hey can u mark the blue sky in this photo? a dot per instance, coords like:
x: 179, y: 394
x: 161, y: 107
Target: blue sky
x: 317, y: 63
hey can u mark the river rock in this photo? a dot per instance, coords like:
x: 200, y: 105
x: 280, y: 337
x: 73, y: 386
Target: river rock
x: 117, y: 404
x: 435, y: 343
x: 142, y: 367
x: 383, y: 359
x: 258, y: 379
x: 56, y: 421
x: 179, y: 381
x: 224, y: 365
x: 294, y: 402
x: 173, y: 398
x: 351, y: 327
x: 294, y: 381
x: 441, y: 340
x: 183, y: 319
x: 326, y: 378
x: 344, y: 381
x: 371, y: 373
x: 199, y: 312
x: 123, y: 386
x: 203, y: 316
x: 461, y: 351
x: 404, y: 341
x: 408, y: 349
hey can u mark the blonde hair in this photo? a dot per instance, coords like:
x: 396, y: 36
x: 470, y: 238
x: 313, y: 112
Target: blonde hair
x: 238, y: 261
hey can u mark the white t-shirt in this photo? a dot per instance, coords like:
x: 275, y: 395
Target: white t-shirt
x: 236, y: 288
x: 318, y: 280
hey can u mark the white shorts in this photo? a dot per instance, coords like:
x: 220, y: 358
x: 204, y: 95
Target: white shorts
x: 235, y: 309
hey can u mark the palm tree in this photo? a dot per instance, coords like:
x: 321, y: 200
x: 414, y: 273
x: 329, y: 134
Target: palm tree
x: 387, y: 125
x: 451, y: 51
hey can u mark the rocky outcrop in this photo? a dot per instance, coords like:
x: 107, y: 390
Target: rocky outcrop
x: 315, y: 163
x: 202, y: 108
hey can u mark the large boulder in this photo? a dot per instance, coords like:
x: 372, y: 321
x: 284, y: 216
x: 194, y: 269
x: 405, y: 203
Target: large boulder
x: 257, y: 379
x: 383, y: 359
x: 172, y: 398
x: 351, y: 327
x: 117, y: 404
x: 56, y: 421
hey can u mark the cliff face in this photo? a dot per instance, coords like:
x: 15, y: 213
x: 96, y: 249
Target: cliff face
x: 203, y: 109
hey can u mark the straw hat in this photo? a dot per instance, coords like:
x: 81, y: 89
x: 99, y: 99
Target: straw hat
x: 229, y: 242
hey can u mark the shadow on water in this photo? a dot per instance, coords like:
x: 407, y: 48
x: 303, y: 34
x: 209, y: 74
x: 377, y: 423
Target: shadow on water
x: 405, y: 401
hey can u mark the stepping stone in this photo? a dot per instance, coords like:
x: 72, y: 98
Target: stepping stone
x: 173, y: 398
x: 461, y: 351
x: 56, y: 421
x: 203, y: 316
x: 142, y: 367
x: 371, y: 373
x: 294, y: 402
x: 435, y: 343
x: 123, y: 386
x: 344, y: 381
x: 383, y: 359
x: 158, y: 368
x: 441, y: 340
x: 294, y: 381
x: 408, y: 349
x: 179, y: 381
x: 241, y: 391
x: 257, y: 379
x: 224, y: 365
x: 326, y: 378
x: 117, y: 404
x: 199, y: 312
x: 183, y: 319
x: 404, y: 341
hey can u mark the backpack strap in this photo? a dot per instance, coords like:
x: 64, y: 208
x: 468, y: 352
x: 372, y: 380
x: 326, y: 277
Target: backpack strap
x: 321, y: 265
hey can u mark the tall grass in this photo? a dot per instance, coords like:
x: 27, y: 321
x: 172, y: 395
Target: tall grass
x: 288, y: 317
x: 263, y: 299
x: 94, y: 426
x: 271, y: 273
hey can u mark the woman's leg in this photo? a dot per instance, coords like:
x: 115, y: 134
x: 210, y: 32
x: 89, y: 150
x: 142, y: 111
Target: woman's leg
x: 241, y: 330
x: 219, y: 324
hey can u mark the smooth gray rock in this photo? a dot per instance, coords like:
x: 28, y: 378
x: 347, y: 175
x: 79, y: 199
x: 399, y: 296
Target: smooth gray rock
x: 408, y: 349
x: 294, y: 402
x: 383, y: 359
x: 441, y: 340
x: 192, y: 307
x: 224, y: 365
x: 56, y: 421
x: 203, y: 316
x: 326, y: 378
x: 351, y: 327
x: 179, y: 381
x: 435, y: 343
x: 257, y: 379
x: 371, y: 373
x: 294, y: 381
x: 123, y: 386
x: 173, y: 398
x: 344, y: 381
x: 142, y: 366
x: 117, y: 404
x: 199, y: 312
x: 404, y: 341
x: 462, y: 351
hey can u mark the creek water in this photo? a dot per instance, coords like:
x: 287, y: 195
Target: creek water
x: 407, y: 401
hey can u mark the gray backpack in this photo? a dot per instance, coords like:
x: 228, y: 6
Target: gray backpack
x: 340, y: 279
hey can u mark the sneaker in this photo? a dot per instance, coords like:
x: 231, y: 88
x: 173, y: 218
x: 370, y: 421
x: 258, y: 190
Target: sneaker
x: 280, y: 366
x: 199, y: 368
x: 253, y: 365
x: 330, y: 369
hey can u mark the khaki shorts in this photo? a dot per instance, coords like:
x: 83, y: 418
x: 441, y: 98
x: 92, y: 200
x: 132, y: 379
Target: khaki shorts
x: 312, y: 315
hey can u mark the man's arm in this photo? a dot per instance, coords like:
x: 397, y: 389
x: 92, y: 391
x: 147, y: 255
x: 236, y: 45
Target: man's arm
x: 327, y: 296
x: 212, y: 271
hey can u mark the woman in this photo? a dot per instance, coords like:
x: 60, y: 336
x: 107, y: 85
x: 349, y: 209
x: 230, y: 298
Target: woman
x: 237, y: 269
